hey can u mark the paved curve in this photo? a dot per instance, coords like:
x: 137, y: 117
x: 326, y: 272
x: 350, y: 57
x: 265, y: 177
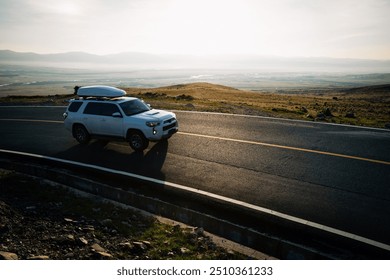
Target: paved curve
x: 339, y: 176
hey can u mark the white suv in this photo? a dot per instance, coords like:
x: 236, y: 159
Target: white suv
x: 105, y: 112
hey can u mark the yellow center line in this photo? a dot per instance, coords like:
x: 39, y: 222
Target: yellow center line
x: 246, y: 142
x: 286, y: 147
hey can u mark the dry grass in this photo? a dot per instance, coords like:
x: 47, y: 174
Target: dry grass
x: 367, y: 106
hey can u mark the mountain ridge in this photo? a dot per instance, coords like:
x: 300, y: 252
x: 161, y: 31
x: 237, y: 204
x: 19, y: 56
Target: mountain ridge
x: 171, y: 61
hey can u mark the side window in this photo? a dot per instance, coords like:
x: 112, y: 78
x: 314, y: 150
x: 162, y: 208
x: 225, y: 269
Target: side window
x: 108, y: 109
x: 92, y: 108
x: 101, y: 109
x: 74, y: 106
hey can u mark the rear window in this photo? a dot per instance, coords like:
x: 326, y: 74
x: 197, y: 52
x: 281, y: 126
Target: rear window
x: 74, y: 106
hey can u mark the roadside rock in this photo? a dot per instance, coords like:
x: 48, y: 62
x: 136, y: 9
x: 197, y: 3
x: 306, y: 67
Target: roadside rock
x: 8, y: 256
x: 82, y: 241
x: 304, y: 109
x: 199, y: 231
x: 139, y: 246
x: 328, y: 113
x: 127, y: 246
x: 184, y: 250
x: 97, y: 248
x: 320, y: 117
x: 39, y: 257
x: 103, y: 255
x: 100, y: 252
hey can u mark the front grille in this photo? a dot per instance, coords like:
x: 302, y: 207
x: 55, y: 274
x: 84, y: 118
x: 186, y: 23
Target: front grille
x: 170, y: 120
x: 169, y: 126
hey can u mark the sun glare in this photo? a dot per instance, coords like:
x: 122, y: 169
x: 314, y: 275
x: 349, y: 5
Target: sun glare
x: 205, y: 27
x: 200, y: 27
x: 67, y: 8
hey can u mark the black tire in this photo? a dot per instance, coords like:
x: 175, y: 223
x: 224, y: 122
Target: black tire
x: 81, y: 134
x: 137, y: 141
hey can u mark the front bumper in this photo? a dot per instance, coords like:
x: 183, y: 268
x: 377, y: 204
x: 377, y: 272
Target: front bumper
x: 170, y: 133
x: 164, y: 132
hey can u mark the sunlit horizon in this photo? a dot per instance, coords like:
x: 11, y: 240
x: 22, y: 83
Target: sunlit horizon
x: 286, y: 28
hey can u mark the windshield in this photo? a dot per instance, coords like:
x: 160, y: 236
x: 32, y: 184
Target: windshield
x: 134, y: 107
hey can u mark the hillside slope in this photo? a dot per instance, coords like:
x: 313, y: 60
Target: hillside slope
x: 367, y: 106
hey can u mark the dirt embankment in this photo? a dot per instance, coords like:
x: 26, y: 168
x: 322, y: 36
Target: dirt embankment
x: 42, y: 221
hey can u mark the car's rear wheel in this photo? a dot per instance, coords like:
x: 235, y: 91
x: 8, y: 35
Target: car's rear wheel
x: 137, y: 141
x: 81, y: 134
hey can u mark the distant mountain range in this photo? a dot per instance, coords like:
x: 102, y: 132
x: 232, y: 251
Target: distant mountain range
x: 134, y: 60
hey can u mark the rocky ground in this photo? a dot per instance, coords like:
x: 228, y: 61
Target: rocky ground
x: 42, y: 221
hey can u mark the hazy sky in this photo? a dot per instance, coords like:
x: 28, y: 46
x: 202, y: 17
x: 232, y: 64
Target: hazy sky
x: 331, y: 28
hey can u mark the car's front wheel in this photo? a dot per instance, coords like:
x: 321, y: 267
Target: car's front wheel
x: 81, y: 134
x: 137, y: 141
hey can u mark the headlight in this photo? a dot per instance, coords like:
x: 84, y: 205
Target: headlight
x: 152, y: 124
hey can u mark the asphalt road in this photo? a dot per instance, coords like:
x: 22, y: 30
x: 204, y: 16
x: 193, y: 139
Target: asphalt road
x: 337, y: 176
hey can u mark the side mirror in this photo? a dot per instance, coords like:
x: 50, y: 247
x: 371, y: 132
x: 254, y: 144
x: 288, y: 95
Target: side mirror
x: 117, y: 115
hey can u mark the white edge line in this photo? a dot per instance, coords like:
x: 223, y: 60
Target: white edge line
x: 216, y: 196
x: 234, y: 115
x: 282, y: 119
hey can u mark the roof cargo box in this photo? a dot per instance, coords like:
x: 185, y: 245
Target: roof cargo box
x: 100, y: 91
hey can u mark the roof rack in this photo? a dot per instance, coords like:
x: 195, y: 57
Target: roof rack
x: 99, y: 98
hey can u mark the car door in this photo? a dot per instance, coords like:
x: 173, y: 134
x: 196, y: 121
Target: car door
x: 99, y: 119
